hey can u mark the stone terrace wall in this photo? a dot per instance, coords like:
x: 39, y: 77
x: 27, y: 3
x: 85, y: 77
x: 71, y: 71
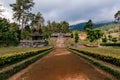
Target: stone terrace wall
x: 33, y: 43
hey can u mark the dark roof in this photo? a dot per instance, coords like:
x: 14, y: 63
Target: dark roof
x: 36, y: 34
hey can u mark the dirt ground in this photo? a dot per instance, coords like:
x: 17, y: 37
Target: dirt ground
x: 60, y: 64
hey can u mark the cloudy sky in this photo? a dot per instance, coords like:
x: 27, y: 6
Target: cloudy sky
x: 73, y: 11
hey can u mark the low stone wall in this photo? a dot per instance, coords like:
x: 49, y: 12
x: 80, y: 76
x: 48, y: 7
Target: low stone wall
x: 33, y: 43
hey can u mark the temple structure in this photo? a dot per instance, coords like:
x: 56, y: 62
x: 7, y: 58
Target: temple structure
x: 36, y: 41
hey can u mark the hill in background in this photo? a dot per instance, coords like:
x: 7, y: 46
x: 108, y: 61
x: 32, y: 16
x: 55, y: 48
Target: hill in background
x: 80, y: 26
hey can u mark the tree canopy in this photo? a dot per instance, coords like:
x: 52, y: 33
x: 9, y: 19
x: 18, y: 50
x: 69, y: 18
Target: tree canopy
x: 117, y: 16
x: 94, y: 34
x: 22, y: 10
x: 9, y: 33
x: 88, y: 25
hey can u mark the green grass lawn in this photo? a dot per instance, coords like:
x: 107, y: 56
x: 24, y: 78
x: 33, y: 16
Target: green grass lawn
x: 14, y: 50
x: 105, y: 50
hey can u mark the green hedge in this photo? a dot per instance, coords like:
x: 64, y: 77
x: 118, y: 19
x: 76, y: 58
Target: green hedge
x: 21, y: 65
x: 110, y: 44
x: 7, y: 60
x: 114, y: 72
x: 110, y: 59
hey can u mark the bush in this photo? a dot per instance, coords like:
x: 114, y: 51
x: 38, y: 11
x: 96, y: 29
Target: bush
x: 107, y: 58
x: 7, y: 60
x: 114, y: 40
x: 76, y: 38
x: 10, y: 71
x: 110, y: 44
x: 104, y: 40
x: 110, y: 70
x: 71, y: 35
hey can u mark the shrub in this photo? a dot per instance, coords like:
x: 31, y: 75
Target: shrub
x: 10, y: 71
x: 112, y: 71
x: 110, y: 44
x: 10, y: 59
x: 107, y: 58
x: 114, y: 40
x: 104, y: 40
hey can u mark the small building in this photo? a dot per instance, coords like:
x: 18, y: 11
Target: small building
x: 36, y: 36
x: 37, y: 41
x: 55, y: 35
x: 67, y: 35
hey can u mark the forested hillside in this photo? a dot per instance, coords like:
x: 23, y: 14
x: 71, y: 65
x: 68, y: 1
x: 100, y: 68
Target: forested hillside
x: 80, y: 26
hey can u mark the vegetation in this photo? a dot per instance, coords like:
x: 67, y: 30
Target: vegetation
x: 27, y: 23
x: 22, y: 10
x: 88, y: 25
x: 104, y: 40
x: 13, y: 58
x: 105, y: 67
x: 111, y: 33
x: 6, y: 73
x: 14, y: 50
x: 72, y: 36
x: 76, y: 38
x: 94, y: 35
x: 104, y: 56
x: 111, y: 44
x: 117, y: 16
x: 55, y: 27
x: 9, y: 33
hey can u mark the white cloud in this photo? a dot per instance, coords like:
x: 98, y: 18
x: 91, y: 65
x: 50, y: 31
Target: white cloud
x: 76, y: 22
x: 73, y: 10
x: 7, y: 12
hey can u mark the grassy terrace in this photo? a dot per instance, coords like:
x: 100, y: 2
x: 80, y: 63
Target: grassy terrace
x: 110, y: 55
x: 99, y: 57
x: 14, y: 50
x: 114, y: 70
x: 104, y: 51
x: 10, y: 64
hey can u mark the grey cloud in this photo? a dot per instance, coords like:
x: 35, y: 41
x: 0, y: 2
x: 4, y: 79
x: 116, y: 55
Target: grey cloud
x: 74, y: 10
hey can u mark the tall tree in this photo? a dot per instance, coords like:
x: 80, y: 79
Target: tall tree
x: 76, y: 38
x: 21, y: 10
x: 65, y: 26
x: 94, y: 35
x: 9, y: 33
x: 117, y: 18
x: 39, y: 21
x: 50, y: 27
x: 55, y: 27
x: 88, y: 25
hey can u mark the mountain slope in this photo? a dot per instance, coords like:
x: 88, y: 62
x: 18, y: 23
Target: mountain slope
x: 80, y: 26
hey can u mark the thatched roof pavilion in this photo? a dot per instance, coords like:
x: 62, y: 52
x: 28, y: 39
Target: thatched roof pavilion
x: 36, y: 36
